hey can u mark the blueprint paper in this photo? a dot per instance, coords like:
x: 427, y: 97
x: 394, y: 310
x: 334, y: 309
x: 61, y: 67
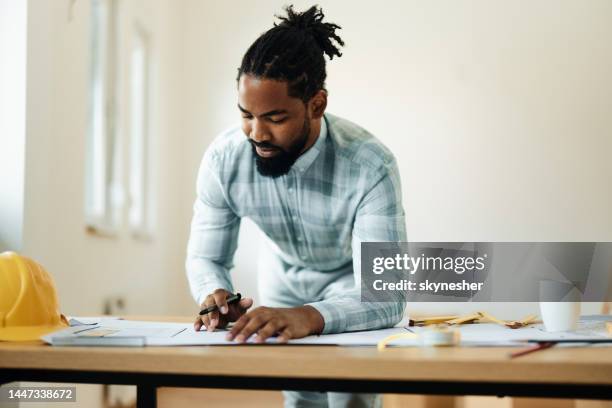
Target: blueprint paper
x: 146, y: 333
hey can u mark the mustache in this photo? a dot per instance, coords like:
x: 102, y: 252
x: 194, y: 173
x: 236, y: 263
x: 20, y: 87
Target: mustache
x: 264, y: 145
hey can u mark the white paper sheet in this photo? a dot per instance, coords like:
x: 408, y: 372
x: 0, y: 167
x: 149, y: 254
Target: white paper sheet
x: 138, y: 333
x: 89, y: 321
x: 113, y: 332
x: 361, y: 338
x: 189, y: 337
x: 491, y: 334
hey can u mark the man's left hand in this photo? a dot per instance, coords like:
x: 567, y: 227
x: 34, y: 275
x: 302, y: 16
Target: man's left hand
x: 288, y: 323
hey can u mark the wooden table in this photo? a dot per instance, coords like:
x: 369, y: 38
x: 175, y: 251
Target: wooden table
x: 584, y: 373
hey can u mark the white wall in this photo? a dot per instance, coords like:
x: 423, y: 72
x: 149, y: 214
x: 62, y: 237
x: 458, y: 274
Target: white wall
x: 13, y: 29
x: 498, y: 112
x: 88, y: 268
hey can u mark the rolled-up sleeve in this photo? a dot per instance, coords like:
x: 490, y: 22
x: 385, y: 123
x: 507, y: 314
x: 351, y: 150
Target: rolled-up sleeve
x: 379, y: 217
x: 214, y: 233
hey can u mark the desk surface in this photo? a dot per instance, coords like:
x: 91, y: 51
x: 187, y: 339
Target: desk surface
x: 552, y: 366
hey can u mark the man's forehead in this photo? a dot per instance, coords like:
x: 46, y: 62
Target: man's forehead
x: 261, y: 95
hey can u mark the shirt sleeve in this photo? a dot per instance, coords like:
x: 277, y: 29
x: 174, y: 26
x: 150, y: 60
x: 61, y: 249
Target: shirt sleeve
x: 380, y: 217
x: 214, y: 233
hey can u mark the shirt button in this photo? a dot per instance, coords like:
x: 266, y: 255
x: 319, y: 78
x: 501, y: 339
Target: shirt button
x: 294, y: 218
x: 299, y: 238
x: 291, y: 189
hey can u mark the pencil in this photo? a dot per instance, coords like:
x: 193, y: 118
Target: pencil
x: 537, y: 347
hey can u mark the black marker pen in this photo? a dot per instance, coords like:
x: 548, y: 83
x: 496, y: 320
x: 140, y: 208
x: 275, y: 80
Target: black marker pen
x: 232, y: 299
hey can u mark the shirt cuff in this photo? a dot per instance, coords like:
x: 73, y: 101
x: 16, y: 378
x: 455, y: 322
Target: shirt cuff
x: 334, y: 316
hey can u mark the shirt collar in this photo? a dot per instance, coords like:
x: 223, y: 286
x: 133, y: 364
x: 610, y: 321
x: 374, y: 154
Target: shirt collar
x: 306, y: 159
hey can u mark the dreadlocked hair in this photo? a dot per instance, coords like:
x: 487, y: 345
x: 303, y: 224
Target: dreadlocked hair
x: 293, y: 51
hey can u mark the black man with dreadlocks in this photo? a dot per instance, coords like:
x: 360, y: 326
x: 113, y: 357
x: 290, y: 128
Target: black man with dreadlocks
x: 315, y: 184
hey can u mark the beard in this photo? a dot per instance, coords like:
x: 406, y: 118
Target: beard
x: 281, y: 163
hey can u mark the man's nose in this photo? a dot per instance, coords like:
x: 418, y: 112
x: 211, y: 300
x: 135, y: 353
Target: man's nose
x: 259, y: 132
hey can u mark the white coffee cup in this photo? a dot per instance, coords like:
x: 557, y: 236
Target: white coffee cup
x: 560, y: 316
x: 563, y: 312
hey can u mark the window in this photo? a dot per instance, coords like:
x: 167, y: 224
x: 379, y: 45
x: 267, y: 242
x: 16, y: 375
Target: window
x: 103, y: 188
x: 119, y: 121
x: 139, y: 185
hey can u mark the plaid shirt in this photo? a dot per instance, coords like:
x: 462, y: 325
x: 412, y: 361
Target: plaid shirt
x: 342, y: 191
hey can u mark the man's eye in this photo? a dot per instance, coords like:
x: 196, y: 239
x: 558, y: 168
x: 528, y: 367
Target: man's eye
x: 278, y: 120
x: 247, y: 117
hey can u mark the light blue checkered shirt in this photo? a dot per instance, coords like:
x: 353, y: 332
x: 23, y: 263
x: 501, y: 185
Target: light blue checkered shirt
x: 342, y: 191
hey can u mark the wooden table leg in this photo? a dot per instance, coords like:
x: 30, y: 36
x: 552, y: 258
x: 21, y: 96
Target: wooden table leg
x: 146, y: 396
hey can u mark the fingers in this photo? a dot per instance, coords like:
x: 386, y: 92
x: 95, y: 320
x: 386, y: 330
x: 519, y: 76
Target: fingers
x: 225, y: 313
x: 210, y: 320
x: 220, y: 297
x: 214, y: 321
x: 252, y: 319
x: 285, y: 335
x: 197, y: 325
x: 205, y: 319
x: 268, y: 330
x: 238, y: 309
x: 263, y: 321
x: 245, y: 303
x: 245, y: 326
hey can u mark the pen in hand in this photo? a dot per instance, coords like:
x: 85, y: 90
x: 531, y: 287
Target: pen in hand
x: 230, y: 300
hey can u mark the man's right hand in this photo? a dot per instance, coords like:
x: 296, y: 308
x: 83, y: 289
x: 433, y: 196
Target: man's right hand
x: 225, y: 314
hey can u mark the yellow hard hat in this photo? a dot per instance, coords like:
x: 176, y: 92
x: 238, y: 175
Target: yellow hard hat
x: 29, y: 307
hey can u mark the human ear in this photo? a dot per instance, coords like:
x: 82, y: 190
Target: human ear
x: 317, y: 104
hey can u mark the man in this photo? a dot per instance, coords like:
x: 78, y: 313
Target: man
x: 315, y: 184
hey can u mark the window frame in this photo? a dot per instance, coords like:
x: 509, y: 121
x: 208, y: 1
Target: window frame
x: 103, y: 187
x: 140, y: 189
